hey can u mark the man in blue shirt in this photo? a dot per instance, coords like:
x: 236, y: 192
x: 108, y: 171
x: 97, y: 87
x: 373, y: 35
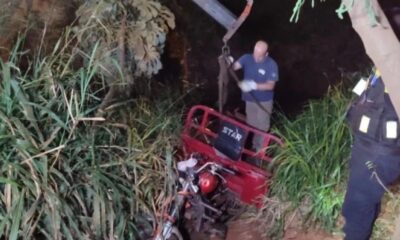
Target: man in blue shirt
x: 260, y: 73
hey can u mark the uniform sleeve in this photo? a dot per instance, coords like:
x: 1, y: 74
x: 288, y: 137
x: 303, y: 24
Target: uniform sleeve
x: 273, y: 74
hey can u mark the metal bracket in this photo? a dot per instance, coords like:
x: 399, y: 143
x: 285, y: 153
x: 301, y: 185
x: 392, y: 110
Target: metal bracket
x: 223, y: 16
x: 217, y: 11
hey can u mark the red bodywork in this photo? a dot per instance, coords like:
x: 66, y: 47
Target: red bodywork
x: 251, y: 182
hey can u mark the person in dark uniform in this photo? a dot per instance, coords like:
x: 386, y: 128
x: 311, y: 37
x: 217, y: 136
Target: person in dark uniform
x: 375, y: 157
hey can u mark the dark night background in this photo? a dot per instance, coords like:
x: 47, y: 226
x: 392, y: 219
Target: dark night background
x: 312, y: 54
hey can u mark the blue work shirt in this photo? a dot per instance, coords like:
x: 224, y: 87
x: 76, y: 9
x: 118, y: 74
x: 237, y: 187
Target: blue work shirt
x: 260, y: 72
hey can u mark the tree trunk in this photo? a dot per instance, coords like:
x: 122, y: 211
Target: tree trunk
x: 383, y: 47
x: 381, y: 44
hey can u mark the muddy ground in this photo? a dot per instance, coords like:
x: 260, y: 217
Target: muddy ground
x: 243, y: 229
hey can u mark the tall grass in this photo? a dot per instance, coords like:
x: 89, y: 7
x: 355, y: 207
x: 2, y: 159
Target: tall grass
x: 66, y: 174
x: 312, y: 169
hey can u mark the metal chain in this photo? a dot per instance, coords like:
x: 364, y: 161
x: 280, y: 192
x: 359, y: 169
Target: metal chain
x: 226, y: 50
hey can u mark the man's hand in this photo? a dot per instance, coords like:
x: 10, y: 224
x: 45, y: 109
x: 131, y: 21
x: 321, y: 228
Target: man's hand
x: 247, y: 85
x: 230, y: 60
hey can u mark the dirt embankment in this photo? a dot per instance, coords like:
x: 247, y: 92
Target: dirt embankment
x: 41, y: 21
x: 244, y: 230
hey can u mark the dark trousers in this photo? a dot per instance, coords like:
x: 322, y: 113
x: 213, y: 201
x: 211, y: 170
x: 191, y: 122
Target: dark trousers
x: 364, y: 192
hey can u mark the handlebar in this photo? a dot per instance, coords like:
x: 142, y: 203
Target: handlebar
x: 216, y: 166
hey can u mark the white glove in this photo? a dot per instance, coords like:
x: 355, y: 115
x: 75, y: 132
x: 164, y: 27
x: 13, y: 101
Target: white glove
x: 231, y: 59
x: 247, y: 85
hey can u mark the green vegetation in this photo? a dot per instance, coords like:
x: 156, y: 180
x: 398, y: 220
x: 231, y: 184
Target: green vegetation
x: 130, y: 32
x: 312, y: 167
x: 67, y: 174
x: 67, y: 169
x: 130, y: 35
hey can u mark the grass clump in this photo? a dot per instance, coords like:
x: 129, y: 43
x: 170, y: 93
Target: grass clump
x: 67, y: 174
x: 312, y: 170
